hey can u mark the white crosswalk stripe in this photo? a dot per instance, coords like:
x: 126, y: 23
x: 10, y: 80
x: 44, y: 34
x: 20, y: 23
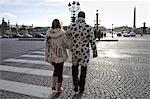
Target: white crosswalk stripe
x: 25, y: 88
x: 26, y: 61
x: 38, y: 52
x: 33, y: 56
x: 33, y: 62
x: 28, y: 71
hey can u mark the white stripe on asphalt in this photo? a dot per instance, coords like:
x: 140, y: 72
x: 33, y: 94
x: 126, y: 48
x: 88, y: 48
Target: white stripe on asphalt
x: 33, y: 62
x: 28, y: 71
x: 42, y: 57
x: 38, y: 52
x: 26, y: 61
x: 33, y: 56
x: 26, y: 89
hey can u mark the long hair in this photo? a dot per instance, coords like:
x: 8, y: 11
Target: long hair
x: 56, y: 24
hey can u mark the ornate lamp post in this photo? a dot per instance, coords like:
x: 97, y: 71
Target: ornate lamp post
x: 143, y: 29
x: 9, y: 28
x: 4, y: 26
x: 97, y: 19
x: 74, y: 7
x: 17, y: 28
x: 98, y: 33
x: 112, y: 30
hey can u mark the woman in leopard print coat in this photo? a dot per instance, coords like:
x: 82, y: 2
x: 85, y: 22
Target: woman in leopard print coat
x: 56, y: 43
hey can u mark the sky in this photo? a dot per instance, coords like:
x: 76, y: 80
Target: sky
x: 43, y: 12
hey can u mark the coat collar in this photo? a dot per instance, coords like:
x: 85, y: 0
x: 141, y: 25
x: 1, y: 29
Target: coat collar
x: 54, y: 32
x: 80, y: 20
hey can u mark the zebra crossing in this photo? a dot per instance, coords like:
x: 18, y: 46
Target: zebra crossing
x: 26, y: 88
x: 28, y: 71
x: 35, y: 58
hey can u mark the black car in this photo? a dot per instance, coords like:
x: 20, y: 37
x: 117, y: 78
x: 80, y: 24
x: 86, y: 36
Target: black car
x: 5, y: 36
x: 119, y: 34
x: 38, y: 35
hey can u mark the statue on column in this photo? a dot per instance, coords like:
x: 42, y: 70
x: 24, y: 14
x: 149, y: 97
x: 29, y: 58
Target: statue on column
x: 143, y: 29
x: 4, y: 26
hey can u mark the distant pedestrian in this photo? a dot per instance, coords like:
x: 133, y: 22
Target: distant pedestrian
x: 81, y: 35
x: 55, y: 52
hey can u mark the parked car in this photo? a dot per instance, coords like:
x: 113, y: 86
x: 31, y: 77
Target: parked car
x: 27, y: 35
x: 44, y: 33
x: 132, y: 34
x: 5, y: 36
x: 1, y: 36
x: 126, y: 34
x: 38, y: 35
x: 10, y: 36
x: 119, y: 34
x: 18, y: 36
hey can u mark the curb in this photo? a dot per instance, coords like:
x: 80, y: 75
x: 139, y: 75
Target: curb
x: 42, y: 39
x: 109, y: 40
x: 31, y: 39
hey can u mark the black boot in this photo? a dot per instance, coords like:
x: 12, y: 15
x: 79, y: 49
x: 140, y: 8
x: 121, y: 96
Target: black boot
x: 75, y: 77
x: 82, y: 79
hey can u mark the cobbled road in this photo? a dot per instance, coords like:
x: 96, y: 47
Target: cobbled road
x: 121, y: 71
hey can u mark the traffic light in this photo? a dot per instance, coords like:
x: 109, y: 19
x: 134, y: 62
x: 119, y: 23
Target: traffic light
x: 73, y: 19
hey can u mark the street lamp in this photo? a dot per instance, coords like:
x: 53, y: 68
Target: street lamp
x: 98, y: 33
x: 97, y: 19
x: 112, y: 30
x: 144, y: 29
x: 74, y: 7
x: 17, y: 27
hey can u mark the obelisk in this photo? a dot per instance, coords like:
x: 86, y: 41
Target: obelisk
x: 134, y: 20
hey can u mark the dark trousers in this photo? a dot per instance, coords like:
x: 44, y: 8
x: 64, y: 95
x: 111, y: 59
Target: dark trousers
x: 58, y: 71
x: 76, y: 80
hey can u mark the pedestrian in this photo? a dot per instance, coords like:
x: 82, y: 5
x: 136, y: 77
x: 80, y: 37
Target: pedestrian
x: 56, y: 45
x: 81, y: 35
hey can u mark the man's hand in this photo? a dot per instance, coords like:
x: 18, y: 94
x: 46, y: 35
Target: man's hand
x: 95, y: 54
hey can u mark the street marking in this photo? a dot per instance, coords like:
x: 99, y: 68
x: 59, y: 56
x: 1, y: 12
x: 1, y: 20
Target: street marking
x: 38, y: 52
x: 33, y: 62
x: 24, y: 88
x: 28, y: 71
x: 33, y: 56
x: 69, y: 60
x: 27, y: 61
